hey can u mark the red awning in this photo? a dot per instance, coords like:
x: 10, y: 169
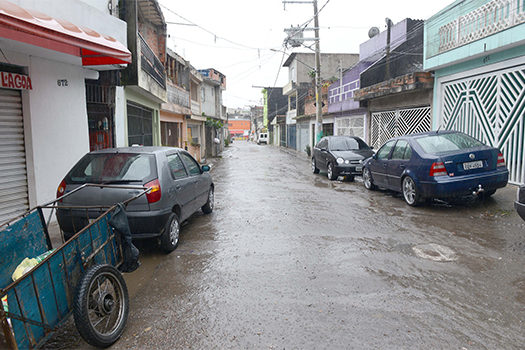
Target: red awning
x: 34, y: 28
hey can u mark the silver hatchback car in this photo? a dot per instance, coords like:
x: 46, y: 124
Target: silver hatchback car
x: 179, y: 188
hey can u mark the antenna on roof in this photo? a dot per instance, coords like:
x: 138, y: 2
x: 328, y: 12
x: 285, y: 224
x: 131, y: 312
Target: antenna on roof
x: 437, y: 131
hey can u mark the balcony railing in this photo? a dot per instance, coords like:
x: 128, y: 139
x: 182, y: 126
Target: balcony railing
x: 151, y: 64
x: 493, y: 17
x: 98, y: 94
x: 178, y: 96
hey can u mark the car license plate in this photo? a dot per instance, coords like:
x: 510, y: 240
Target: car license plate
x: 358, y: 168
x: 473, y: 165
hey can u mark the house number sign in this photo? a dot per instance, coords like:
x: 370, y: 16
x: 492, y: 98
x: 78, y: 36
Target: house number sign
x: 62, y: 82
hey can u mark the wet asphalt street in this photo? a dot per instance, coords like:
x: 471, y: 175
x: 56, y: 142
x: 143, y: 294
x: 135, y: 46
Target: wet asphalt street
x: 290, y: 260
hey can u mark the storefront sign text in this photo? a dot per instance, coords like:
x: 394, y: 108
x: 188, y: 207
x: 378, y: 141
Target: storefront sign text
x: 15, y: 81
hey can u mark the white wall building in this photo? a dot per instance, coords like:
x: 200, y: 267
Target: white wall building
x: 56, y: 45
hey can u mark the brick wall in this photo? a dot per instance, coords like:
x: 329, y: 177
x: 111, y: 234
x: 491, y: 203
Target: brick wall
x: 155, y: 39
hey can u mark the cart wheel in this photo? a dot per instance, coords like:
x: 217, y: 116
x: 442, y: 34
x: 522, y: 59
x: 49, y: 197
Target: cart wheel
x: 101, y: 306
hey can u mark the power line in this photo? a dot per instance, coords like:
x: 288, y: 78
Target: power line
x: 210, y: 32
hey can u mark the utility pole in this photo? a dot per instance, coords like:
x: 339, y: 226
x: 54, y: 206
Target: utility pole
x: 318, y: 92
x: 387, y: 66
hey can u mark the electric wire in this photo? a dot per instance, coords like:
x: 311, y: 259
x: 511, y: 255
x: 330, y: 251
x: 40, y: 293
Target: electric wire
x: 212, y: 33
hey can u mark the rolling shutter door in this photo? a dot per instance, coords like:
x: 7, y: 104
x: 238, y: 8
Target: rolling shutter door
x: 13, y: 175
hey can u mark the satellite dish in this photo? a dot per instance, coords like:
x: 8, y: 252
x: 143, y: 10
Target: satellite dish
x: 373, y: 32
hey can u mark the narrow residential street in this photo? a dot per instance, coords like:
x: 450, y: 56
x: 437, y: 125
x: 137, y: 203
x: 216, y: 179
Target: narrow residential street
x: 291, y: 260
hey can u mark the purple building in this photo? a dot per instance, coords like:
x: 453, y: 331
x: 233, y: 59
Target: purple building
x: 349, y: 118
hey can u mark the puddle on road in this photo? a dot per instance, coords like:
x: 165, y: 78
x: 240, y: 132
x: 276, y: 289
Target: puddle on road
x: 435, y: 252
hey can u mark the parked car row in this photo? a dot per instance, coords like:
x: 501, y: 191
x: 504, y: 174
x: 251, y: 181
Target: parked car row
x: 433, y: 165
x: 179, y: 185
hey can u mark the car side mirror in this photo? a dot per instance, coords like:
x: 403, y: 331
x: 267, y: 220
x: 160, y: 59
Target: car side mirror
x: 371, y: 147
x: 323, y: 149
x: 205, y: 168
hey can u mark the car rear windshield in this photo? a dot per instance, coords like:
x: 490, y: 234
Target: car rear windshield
x: 347, y: 144
x: 113, y: 168
x: 447, y: 142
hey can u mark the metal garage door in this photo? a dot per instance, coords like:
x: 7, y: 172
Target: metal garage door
x: 303, y: 136
x: 388, y: 124
x: 13, y: 174
x: 490, y: 107
x: 140, y: 125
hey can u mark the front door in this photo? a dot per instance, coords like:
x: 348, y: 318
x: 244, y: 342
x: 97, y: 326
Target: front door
x: 398, y: 163
x: 200, y: 189
x: 320, y: 153
x: 180, y: 190
x: 378, y: 165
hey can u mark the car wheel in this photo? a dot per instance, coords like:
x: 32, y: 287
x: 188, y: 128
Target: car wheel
x: 208, y: 207
x: 169, y: 240
x: 315, y: 170
x: 410, y: 191
x: 330, y: 172
x: 367, y: 180
x: 101, y: 306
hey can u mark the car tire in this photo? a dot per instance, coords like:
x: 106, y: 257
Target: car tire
x: 488, y: 194
x: 410, y: 192
x: 93, y: 300
x: 367, y: 180
x: 210, y: 203
x: 169, y: 240
x: 315, y: 170
x: 330, y: 173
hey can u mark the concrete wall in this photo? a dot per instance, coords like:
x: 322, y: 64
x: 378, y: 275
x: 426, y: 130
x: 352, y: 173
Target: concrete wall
x: 330, y: 63
x: 402, y: 100
x: 209, y: 104
x: 121, y: 130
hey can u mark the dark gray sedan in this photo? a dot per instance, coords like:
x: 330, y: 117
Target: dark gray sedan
x: 340, y: 156
x: 179, y: 188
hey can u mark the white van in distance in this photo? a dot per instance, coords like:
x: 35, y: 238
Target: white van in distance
x: 263, y: 138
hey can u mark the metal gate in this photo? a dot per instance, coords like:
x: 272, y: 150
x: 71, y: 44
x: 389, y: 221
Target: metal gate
x: 282, y: 133
x: 388, y: 124
x: 491, y: 108
x: 13, y: 173
x: 140, y: 125
x: 350, y: 126
x: 291, y: 136
x: 303, y: 136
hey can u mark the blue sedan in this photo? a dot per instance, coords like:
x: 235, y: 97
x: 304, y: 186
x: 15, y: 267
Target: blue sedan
x: 438, y: 164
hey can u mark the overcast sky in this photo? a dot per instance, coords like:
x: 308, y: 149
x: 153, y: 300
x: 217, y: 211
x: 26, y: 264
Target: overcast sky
x: 235, y: 36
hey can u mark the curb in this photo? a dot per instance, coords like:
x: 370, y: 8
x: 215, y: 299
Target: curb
x: 292, y: 152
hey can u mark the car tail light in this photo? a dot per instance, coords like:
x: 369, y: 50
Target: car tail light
x: 438, y: 169
x: 61, y: 190
x: 154, y: 194
x: 501, y: 160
